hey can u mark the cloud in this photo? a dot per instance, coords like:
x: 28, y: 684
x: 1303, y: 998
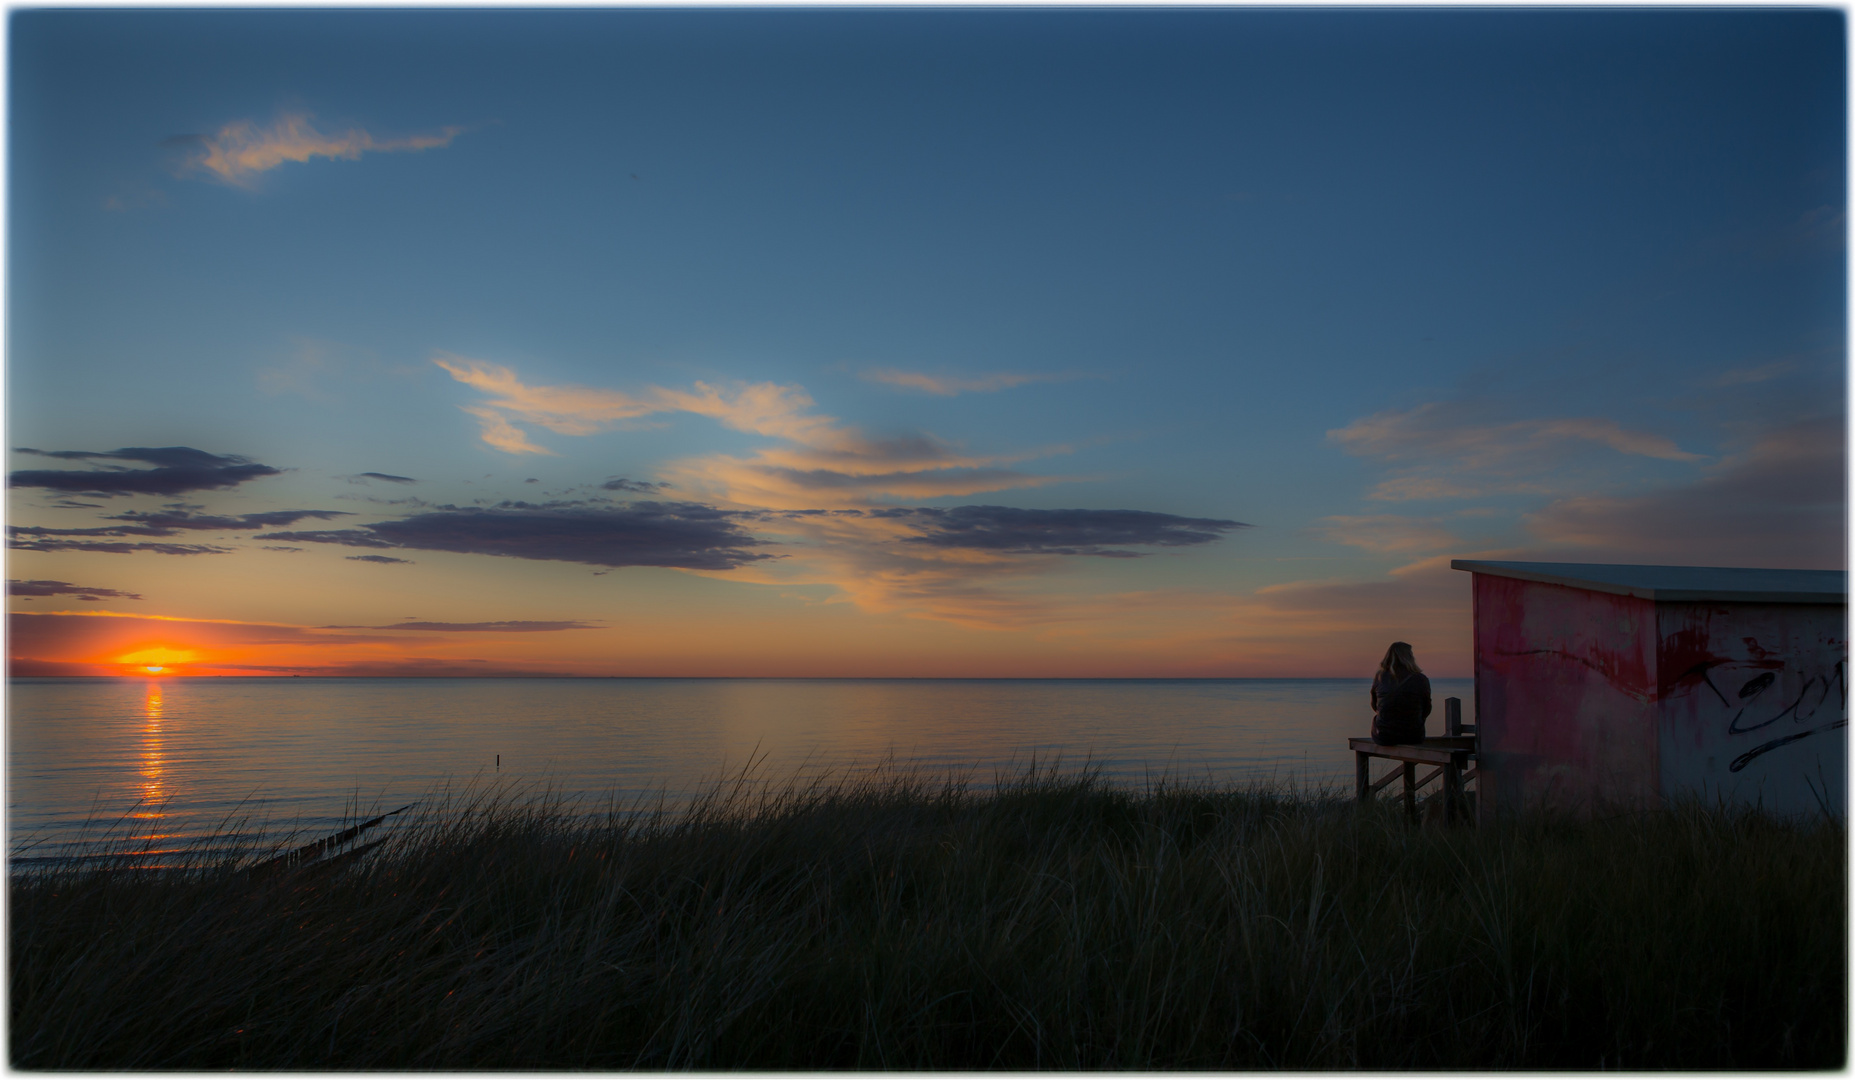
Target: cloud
x: 241, y: 151
x: 362, y: 558
x: 973, y: 566
x: 388, y: 477
x: 22, y: 539
x: 822, y: 459
x: 169, y: 522
x: 178, y: 470
x: 1055, y: 532
x: 58, y: 588
x: 1384, y: 532
x: 949, y: 385
x: 1444, y: 450
x: 1781, y: 503
x: 642, y: 487
x: 1748, y: 376
x: 496, y: 430
x: 507, y: 626
x: 680, y: 535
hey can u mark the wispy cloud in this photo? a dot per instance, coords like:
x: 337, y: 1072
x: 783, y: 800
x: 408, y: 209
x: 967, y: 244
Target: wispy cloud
x: 1446, y: 450
x: 504, y: 626
x: 241, y: 151
x: 1056, y: 532
x: 22, y: 539
x: 1747, y: 376
x: 822, y: 461
x: 1384, y: 533
x: 15, y: 587
x: 950, y: 385
x: 1782, y: 502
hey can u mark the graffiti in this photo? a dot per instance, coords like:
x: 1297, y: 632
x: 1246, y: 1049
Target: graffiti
x: 1745, y: 759
x: 1752, y: 698
x: 1757, y: 686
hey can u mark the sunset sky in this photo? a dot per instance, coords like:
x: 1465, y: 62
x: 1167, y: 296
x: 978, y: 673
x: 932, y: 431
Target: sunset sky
x: 960, y: 342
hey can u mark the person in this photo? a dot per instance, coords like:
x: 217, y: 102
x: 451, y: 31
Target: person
x: 1400, y: 698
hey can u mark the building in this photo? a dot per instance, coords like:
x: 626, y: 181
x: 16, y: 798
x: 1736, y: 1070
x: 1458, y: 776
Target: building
x: 1600, y: 686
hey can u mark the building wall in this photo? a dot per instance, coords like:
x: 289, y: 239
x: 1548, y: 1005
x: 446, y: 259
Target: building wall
x: 1755, y: 704
x: 1565, y: 685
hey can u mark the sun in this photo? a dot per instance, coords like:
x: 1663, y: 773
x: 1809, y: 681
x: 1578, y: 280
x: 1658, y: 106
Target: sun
x: 159, y: 660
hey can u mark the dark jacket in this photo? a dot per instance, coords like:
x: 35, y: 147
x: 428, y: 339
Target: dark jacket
x: 1399, y: 707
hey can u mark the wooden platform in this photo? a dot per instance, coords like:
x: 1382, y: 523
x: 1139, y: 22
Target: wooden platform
x: 1452, y: 755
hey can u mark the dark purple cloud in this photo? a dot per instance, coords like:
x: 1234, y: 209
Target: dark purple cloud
x: 369, y: 558
x: 23, y: 539
x: 389, y: 477
x: 642, y: 487
x: 57, y: 588
x: 159, y: 523
x: 177, y: 470
x: 683, y: 535
x: 168, y: 522
x: 1056, y: 532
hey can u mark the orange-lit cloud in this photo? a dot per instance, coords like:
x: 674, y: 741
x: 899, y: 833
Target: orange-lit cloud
x: 1446, y: 450
x: 823, y: 462
x: 241, y: 151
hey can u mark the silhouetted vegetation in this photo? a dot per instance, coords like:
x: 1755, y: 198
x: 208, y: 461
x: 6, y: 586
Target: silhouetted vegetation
x: 893, y: 921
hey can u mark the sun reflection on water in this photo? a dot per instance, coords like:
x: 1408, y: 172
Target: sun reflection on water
x: 154, y: 789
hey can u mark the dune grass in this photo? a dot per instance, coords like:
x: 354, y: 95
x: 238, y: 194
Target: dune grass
x: 896, y: 921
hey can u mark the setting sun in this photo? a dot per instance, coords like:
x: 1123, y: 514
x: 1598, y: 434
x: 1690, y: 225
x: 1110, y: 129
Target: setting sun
x: 159, y: 660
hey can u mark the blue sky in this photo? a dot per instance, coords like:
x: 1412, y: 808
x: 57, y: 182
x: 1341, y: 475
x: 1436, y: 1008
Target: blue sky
x: 1370, y: 288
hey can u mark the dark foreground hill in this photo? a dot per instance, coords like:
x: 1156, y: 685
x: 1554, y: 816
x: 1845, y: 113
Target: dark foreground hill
x: 894, y: 922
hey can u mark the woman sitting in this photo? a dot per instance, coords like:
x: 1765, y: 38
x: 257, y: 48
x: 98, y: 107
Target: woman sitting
x: 1400, y: 698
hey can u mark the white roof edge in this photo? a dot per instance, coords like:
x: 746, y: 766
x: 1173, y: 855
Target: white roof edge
x: 1678, y: 584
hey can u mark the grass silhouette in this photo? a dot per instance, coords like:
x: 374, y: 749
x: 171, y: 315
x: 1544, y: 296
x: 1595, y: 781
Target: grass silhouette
x: 897, y: 920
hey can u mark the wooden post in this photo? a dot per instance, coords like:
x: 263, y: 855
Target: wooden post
x: 1452, y: 789
x: 1452, y: 716
x: 1362, y: 775
x: 1410, y: 790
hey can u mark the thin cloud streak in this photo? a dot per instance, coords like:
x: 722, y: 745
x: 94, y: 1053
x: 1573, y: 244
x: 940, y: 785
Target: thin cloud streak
x: 1443, y: 450
x: 241, y: 151
x: 952, y: 385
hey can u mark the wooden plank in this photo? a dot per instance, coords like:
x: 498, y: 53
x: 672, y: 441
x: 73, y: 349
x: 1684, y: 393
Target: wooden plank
x: 1362, y: 776
x: 1410, y: 791
x: 1418, y: 753
x: 1452, y: 716
x: 1388, y: 778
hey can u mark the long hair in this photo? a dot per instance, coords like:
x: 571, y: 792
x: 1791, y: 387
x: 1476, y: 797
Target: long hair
x: 1399, y: 663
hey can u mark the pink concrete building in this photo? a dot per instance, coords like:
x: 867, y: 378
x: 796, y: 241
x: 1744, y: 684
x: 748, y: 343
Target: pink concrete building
x: 1621, y: 686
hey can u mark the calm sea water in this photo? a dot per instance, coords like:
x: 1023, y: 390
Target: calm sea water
x: 175, y: 756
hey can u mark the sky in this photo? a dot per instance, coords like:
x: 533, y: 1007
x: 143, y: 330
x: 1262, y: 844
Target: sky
x: 900, y: 342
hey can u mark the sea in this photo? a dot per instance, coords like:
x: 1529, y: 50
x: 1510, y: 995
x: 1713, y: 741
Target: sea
x: 155, y: 764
